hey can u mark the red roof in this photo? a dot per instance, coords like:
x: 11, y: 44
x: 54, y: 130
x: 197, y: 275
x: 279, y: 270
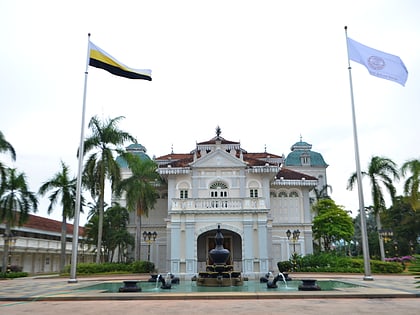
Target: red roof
x: 48, y: 225
x: 289, y: 174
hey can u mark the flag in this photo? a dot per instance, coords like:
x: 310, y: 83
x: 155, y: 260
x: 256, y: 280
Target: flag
x: 100, y: 59
x: 378, y: 63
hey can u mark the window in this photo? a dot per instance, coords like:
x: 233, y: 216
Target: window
x: 253, y: 193
x: 183, y: 194
x: 218, y: 190
x: 305, y: 159
x: 293, y: 194
x: 282, y: 194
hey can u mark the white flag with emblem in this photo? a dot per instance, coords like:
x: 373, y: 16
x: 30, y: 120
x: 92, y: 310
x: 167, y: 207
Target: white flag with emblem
x: 378, y: 63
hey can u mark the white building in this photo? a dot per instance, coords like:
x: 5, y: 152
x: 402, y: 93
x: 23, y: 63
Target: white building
x: 36, y: 246
x: 253, y: 196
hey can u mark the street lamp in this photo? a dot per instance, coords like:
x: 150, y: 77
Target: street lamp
x: 149, y: 238
x: 295, y: 236
x: 386, y: 235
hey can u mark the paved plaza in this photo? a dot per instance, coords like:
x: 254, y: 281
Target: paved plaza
x: 386, y: 294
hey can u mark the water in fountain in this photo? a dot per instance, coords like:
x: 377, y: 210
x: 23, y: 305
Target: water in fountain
x: 219, y: 274
x: 157, y: 280
x: 272, y: 281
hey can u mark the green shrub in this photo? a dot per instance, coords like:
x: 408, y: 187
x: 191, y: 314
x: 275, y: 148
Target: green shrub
x: 142, y: 267
x: 13, y: 275
x: 332, y: 262
x: 414, y: 268
x: 93, y: 268
x: 285, y: 266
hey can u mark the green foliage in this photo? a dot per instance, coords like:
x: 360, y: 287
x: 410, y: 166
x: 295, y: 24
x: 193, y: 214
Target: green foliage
x: 414, y: 268
x: 141, y: 266
x: 332, y: 223
x: 13, y: 275
x: 93, y: 268
x: 331, y: 262
x: 284, y: 266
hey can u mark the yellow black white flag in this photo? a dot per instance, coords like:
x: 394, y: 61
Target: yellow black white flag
x: 100, y: 59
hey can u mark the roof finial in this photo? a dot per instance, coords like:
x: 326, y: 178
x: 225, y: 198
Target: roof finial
x: 265, y: 148
x: 172, y: 149
x: 218, y: 132
x: 300, y: 137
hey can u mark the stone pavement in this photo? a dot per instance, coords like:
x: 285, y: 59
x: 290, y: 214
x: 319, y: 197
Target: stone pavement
x: 386, y: 294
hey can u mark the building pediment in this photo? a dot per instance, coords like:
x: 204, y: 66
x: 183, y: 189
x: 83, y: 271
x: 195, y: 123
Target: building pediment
x: 218, y: 159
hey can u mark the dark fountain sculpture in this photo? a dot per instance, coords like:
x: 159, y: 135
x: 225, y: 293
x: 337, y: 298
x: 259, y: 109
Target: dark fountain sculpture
x: 219, y: 274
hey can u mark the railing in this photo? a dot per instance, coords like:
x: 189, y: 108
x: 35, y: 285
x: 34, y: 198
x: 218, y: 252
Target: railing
x: 218, y: 204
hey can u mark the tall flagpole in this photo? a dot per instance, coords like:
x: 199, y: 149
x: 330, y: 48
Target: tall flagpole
x: 79, y: 181
x: 365, y: 245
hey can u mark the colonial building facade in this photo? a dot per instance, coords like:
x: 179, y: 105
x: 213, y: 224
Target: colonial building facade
x: 36, y: 245
x: 254, y: 197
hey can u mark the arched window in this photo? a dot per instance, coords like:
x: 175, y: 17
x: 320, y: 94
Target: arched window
x: 183, y: 190
x: 218, y: 189
x: 282, y: 194
x: 293, y: 194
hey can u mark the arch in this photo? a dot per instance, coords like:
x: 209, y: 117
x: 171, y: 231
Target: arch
x: 294, y: 194
x: 282, y: 194
x: 205, y: 242
x: 253, y: 184
x: 183, y: 185
x: 218, y: 184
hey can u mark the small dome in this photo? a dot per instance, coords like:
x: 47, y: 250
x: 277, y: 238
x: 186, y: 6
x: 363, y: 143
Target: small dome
x: 136, y: 149
x: 302, y: 155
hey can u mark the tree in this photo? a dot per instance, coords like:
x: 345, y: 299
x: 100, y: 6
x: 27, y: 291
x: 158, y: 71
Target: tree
x: 116, y: 238
x: 332, y: 224
x: 140, y: 189
x: 5, y: 146
x: 106, y: 139
x: 412, y: 183
x: 404, y: 222
x: 381, y: 171
x: 323, y: 192
x: 16, y: 202
x: 63, y: 192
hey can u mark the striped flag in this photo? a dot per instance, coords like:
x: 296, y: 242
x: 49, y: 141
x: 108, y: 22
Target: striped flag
x: 100, y: 59
x: 378, y: 63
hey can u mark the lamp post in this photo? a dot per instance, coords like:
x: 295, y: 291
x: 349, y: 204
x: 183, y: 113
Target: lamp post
x: 386, y: 235
x: 295, y: 236
x: 149, y: 238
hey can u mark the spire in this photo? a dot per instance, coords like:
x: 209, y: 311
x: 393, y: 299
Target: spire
x: 218, y: 132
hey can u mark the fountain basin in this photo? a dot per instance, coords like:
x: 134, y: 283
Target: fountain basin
x: 250, y: 286
x: 309, y: 285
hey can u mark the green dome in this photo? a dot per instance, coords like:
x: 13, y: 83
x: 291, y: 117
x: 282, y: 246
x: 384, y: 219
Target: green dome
x: 302, y: 155
x: 136, y: 149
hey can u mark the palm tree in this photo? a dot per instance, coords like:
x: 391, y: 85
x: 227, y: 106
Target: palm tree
x: 16, y: 201
x: 411, y: 185
x: 381, y: 171
x: 5, y: 147
x: 322, y: 193
x: 105, y: 139
x: 64, y: 192
x: 140, y: 189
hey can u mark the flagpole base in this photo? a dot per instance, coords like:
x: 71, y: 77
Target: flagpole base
x: 72, y: 281
x: 368, y: 278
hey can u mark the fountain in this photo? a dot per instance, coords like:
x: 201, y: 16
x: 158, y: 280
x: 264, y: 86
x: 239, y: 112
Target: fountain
x: 219, y: 274
x: 272, y: 281
x: 129, y: 286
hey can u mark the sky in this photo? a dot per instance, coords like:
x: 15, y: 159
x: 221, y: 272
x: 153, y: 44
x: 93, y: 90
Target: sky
x: 267, y: 72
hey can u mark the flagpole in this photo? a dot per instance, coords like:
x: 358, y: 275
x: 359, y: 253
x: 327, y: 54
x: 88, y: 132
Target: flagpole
x: 365, y: 245
x: 75, y: 242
